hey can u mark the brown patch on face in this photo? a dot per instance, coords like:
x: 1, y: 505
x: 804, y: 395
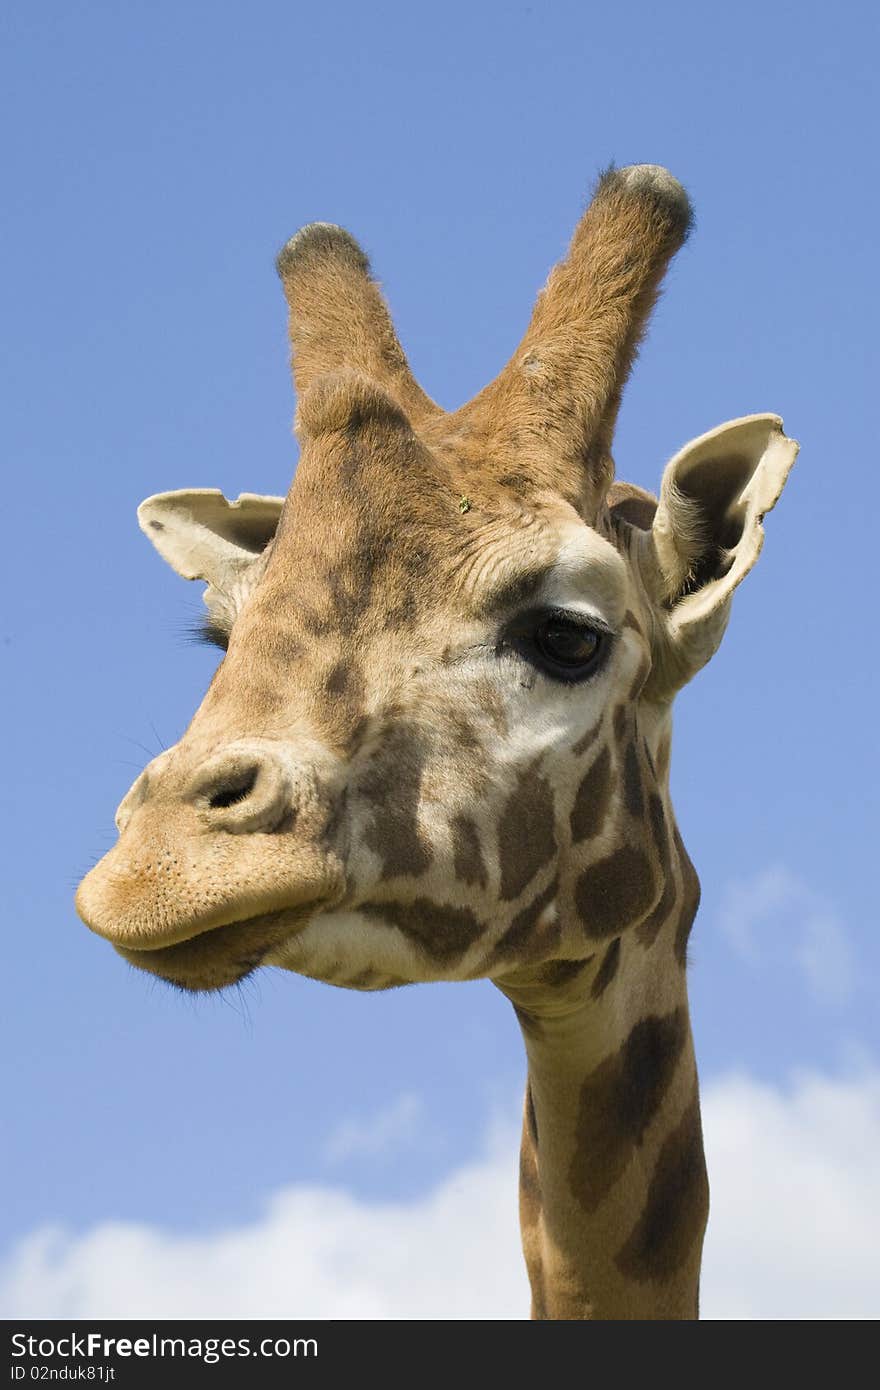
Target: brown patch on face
x: 586, y: 740
x: 621, y: 715
x: 444, y: 933
x: 345, y: 680
x: 401, y: 614
x: 339, y: 715
x: 632, y: 781
x: 607, y: 970
x: 262, y: 699
x: 462, y: 736
x: 677, y: 1205
x: 392, y: 784
x: 524, y: 939
x: 618, y: 1102
x: 616, y: 892
x: 279, y: 645
x: 350, y: 590
x: 690, y: 904
x: 526, y: 835
x: 631, y: 621
x: 468, y: 860
x: 591, y: 801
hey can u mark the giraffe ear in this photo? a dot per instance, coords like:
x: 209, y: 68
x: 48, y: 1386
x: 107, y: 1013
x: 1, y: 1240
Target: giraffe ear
x: 204, y: 536
x: 705, y: 536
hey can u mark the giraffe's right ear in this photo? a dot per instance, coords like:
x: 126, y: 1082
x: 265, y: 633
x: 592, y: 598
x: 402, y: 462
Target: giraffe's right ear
x: 703, y: 538
x: 204, y: 536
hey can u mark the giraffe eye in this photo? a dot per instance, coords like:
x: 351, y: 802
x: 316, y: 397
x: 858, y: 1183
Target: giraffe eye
x: 563, y: 647
x: 567, y: 649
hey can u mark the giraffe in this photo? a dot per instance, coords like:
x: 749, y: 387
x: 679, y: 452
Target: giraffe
x: 437, y: 746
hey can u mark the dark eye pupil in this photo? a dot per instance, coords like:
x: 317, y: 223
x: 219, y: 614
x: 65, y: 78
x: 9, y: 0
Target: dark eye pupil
x: 566, y: 643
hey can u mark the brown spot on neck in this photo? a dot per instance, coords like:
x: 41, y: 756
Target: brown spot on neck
x: 618, y: 1101
x: 670, y: 1230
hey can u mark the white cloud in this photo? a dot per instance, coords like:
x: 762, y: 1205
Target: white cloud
x: 795, y: 1219
x: 793, y: 1233
x: 317, y: 1252
x: 397, y: 1126
x: 759, y: 914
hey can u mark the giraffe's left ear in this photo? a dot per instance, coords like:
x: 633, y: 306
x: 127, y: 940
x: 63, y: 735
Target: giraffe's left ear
x: 204, y: 536
x: 705, y: 536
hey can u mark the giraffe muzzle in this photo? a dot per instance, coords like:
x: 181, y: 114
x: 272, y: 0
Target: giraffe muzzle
x: 228, y: 848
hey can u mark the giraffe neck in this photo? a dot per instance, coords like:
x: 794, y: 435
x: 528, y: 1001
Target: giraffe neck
x: 613, y: 1189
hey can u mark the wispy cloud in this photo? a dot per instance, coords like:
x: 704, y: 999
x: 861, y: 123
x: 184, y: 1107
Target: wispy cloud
x: 756, y: 911
x: 793, y: 1233
x: 395, y: 1127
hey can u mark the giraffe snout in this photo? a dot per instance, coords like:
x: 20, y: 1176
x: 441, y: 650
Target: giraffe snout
x: 212, y: 840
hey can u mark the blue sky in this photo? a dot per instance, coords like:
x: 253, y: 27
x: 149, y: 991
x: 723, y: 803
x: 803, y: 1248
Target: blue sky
x: 156, y: 158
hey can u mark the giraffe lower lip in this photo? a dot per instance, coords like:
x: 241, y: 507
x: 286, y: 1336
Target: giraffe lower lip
x: 218, y: 957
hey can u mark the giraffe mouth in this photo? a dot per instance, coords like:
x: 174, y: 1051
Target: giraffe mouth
x: 220, y: 956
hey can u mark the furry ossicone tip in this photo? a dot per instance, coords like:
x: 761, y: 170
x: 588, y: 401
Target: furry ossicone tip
x: 316, y: 242
x: 654, y: 183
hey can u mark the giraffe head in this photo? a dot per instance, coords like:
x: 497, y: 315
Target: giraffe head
x: 437, y: 745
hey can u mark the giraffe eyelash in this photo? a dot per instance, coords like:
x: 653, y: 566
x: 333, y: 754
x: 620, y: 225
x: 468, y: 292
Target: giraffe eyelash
x: 209, y: 634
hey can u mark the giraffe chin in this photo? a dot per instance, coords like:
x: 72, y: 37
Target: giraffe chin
x: 221, y: 956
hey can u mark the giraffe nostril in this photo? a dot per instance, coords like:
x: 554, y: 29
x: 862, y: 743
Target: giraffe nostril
x: 242, y: 790
x: 235, y: 789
